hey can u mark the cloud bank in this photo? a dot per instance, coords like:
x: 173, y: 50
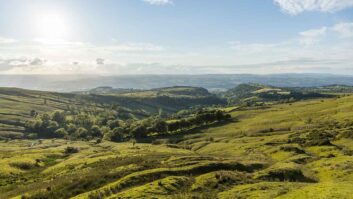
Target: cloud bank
x: 320, y: 49
x: 295, y: 7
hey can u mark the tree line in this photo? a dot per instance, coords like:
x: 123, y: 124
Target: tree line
x: 106, y: 125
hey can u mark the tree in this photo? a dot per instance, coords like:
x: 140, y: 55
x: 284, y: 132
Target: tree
x: 33, y: 113
x: 139, y: 131
x: 83, y: 120
x: 33, y: 126
x: 160, y: 126
x: 59, y: 117
x: 60, y: 133
x: 81, y: 132
x: 71, y: 128
x: 52, y: 126
x: 117, y: 135
x: 105, y: 131
x: 96, y: 131
x: 174, y: 126
x: 45, y: 119
x: 113, y: 123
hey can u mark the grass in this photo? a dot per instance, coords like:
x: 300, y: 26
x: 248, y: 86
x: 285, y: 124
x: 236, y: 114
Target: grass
x: 249, y: 157
x: 162, y: 188
x: 16, y: 104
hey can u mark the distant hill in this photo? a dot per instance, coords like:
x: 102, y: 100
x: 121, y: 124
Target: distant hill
x: 212, y: 82
x: 334, y: 88
x: 175, y: 91
x: 252, y: 93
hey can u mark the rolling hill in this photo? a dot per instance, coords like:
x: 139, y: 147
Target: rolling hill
x: 259, y: 94
x: 298, y: 150
x: 16, y: 104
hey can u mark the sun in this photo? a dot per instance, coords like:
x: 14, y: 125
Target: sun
x: 52, y: 26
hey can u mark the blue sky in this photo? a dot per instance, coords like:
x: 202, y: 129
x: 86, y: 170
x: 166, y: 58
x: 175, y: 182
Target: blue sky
x: 176, y: 36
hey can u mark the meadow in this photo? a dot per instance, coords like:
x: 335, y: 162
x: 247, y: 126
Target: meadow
x: 275, y: 151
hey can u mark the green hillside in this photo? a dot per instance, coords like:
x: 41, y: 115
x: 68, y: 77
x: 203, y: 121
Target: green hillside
x: 259, y: 94
x: 16, y: 105
x: 175, y: 91
x: 298, y: 150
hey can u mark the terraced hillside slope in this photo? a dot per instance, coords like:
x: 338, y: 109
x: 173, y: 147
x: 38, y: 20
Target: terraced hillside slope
x: 298, y: 150
x: 17, y: 105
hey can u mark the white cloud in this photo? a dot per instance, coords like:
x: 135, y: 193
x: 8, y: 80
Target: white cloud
x: 320, y: 49
x: 295, y: 7
x: 312, y: 36
x: 100, y: 61
x: 344, y: 29
x: 76, y: 57
x: 6, y: 40
x: 159, y: 2
x: 37, y: 62
x: 134, y: 47
x: 332, y: 52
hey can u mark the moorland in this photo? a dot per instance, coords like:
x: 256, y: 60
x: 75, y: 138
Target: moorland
x: 250, y: 141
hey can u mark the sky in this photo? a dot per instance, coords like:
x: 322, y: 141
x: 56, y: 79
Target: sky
x: 117, y: 37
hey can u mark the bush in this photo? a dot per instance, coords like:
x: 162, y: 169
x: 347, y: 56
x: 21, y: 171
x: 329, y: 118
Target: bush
x: 59, y: 117
x: 139, y: 132
x: 312, y: 138
x: 23, y: 165
x: 96, y: 131
x: 81, y: 132
x: 60, y: 133
x: 70, y: 150
x: 346, y: 134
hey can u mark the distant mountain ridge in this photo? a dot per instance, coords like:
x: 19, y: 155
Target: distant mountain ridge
x: 212, y: 82
x: 165, y: 91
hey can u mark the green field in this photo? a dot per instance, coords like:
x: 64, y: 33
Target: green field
x: 250, y: 156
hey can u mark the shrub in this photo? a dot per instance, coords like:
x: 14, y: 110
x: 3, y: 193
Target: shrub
x: 23, y: 165
x: 70, y: 150
x: 60, y: 133
x: 59, y: 117
x: 96, y: 131
x: 81, y: 132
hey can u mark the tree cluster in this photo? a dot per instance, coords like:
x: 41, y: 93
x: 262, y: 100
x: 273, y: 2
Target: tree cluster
x: 60, y: 124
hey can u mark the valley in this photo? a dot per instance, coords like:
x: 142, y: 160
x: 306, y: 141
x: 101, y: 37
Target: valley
x: 283, y: 150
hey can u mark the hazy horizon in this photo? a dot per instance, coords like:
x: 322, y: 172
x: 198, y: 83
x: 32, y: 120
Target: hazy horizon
x: 69, y: 83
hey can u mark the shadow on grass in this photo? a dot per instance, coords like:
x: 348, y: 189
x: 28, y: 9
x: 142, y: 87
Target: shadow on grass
x: 180, y: 136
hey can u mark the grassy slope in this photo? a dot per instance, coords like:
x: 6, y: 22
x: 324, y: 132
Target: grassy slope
x: 265, y: 94
x: 234, y: 160
x: 16, y: 104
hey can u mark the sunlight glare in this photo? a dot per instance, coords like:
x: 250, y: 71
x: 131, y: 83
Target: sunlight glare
x: 52, y: 26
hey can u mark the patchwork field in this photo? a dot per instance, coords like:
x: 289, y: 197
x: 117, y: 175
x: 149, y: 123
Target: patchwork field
x: 255, y: 155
